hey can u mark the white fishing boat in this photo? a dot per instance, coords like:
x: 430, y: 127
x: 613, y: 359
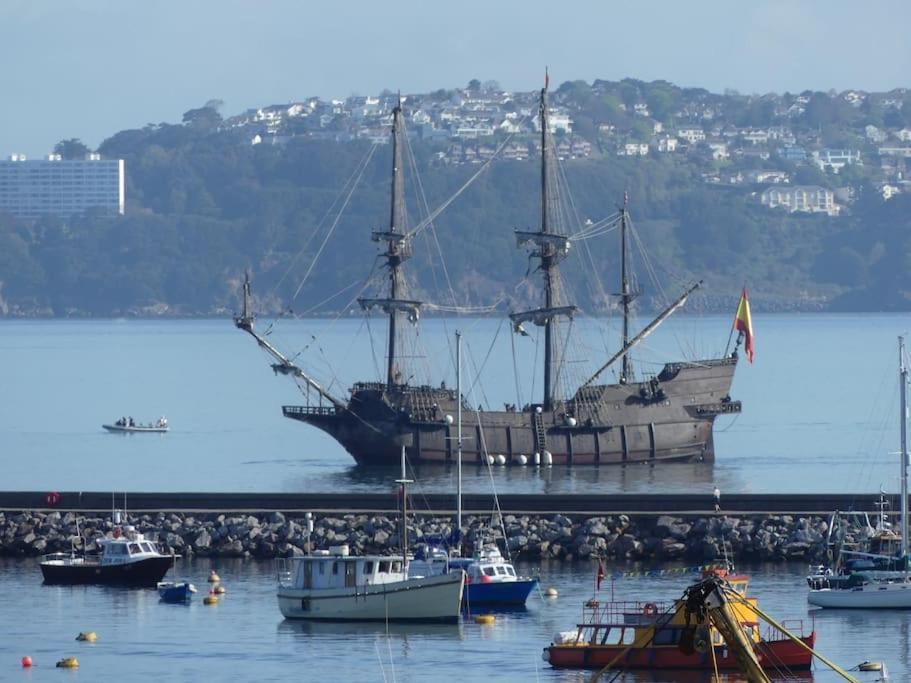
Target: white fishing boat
x: 131, y: 426
x: 884, y: 582
x: 333, y: 586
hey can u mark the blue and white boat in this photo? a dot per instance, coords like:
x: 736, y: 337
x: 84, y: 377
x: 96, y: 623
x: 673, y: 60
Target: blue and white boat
x: 489, y: 578
x: 171, y: 591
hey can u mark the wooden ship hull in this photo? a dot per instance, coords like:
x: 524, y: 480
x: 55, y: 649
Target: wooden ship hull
x: 669, y: 418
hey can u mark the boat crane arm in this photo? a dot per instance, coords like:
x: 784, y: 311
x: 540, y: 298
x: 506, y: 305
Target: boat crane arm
x: 646, y: 331
x: 285, y: 365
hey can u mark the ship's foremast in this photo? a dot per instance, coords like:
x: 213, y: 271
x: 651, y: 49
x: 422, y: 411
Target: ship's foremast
x: 284, y: 365
x: 398, y: 250
x: 551, y: 248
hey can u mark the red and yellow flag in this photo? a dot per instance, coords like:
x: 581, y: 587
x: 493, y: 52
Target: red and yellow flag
x: 744, y: 324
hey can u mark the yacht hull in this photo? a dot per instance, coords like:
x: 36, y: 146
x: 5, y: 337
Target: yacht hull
x: 434, y: 598
x: 870, y: 596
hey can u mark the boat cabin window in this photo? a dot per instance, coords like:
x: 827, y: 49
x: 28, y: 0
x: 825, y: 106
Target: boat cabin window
x: 350, y: 575
x: 629, y: 636
x: 489, y: 571
x: 368, y: 568
x: 396, y: 566
x: 612, y: 636
x: 148, y: 547
x: 501, y: 570
x: 510, y: 571
x: 322, y: 568
x: 134, y: 548
x: 116, y: 549
x: 384, y: 567
x: 334, y: 568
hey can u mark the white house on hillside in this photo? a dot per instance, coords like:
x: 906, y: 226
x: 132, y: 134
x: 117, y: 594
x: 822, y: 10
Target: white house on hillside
x: 801, y: 198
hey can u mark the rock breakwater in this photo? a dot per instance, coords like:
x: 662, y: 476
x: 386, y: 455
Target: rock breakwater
x: 555, y: 537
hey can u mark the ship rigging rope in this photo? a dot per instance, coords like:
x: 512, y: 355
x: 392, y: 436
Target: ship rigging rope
x: 346, y: 189
x: 335, y: 223
x: 445, y: 205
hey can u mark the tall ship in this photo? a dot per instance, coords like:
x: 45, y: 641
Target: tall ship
x: 664, y: 417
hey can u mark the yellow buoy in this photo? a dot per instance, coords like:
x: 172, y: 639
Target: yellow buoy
x: 88, y: 636
x: 68, y: 663
x: 220, y: 590
x: 213, y: 577
x: 550, y: 592
x: 485, y: 619
x: 210, y: 600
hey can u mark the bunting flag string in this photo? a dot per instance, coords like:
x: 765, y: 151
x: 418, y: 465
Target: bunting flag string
x: 676, y: 571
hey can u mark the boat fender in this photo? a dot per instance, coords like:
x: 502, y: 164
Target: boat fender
x: 87, y: 636
x: 650, y: 608
x: 68, y: 663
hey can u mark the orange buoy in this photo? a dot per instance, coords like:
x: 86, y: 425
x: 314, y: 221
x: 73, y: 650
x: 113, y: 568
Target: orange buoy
x: 26, y: 662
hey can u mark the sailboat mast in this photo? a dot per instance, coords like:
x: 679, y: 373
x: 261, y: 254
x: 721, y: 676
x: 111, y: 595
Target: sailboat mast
x: 903, y: 378
x: 403, y: 483
x: 396, y: 223
x: 459, y: 438
x: 547, y: 258
x: 625, y: 295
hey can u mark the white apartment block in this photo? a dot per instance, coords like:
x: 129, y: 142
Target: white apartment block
x: 802, y: 198
x: 34, y: 188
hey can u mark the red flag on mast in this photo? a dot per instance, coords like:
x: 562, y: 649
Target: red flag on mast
x: 743, y: 323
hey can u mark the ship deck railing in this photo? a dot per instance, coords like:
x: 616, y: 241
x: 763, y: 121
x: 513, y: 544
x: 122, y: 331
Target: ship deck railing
x: 793, y: 626
x: 290, y: 411
x: 626, y: 613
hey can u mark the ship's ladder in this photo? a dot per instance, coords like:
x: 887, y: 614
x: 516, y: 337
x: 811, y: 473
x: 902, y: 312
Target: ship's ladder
x: 540, y: 433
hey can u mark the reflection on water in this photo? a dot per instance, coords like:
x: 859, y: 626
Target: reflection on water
x: 442, y: 478
x: 245, y: 638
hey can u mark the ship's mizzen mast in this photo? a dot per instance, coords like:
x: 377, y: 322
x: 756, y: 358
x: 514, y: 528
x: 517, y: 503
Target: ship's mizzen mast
x: 285, y: 365
x: 551, y: 247
x: 626, y: 295
x: 398, y: 250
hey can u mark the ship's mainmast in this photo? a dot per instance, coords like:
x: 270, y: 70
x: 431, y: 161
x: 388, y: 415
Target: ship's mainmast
x: 398, y: 250
x: 551, y: 248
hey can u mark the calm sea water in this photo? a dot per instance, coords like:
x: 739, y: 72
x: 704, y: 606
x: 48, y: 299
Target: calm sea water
x: 244, y: 637
x: 819, y: 404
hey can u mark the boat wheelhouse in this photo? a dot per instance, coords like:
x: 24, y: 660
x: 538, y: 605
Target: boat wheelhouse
x: 331, y: 585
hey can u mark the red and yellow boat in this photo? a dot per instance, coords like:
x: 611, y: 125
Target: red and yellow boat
x: 653, y: 635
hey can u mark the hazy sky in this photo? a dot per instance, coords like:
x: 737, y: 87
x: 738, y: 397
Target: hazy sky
x: 81, y: 68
